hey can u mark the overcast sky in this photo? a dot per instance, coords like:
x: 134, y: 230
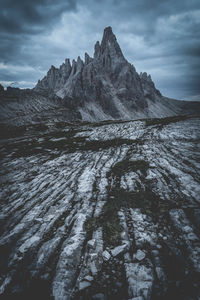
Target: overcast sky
x: 161, y: 37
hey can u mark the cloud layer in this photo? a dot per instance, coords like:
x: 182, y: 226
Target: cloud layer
x: 159, y: 37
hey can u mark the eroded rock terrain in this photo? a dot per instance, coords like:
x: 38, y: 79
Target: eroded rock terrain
x: 101, y: 211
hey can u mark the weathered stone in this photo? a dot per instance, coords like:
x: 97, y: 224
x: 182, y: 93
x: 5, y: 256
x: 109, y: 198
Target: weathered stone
x: 106, y: 255
x: 88, y: 278
x: 119, y: 250
x: 140, y: 255
x: 187, y: 229
x: 192, y: 236
x: 140, y: 279
x: 83, y: 285
x: 91, y: 243
x: 93, y: 268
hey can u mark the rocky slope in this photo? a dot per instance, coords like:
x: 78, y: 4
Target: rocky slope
x: 25, y: 107
x: 104, y: 211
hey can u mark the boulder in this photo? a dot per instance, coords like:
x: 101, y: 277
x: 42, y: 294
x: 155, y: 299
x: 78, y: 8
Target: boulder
x: 119, y: 250
x: 106, y: 255
x: 140, y: 255
x: 83, y: 285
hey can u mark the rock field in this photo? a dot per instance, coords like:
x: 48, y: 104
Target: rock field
x: 101, y: 211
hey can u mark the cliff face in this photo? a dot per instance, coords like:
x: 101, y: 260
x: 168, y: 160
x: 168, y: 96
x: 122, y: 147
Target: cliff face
x: 55, y: 78
x: 107, y: 86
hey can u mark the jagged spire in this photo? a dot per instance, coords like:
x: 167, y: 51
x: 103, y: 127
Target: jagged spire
x: 80, y: 63
x: 108, y: 35
x: 109, y: 41
x: 88, y: 59
x: 52, y: 69
x: 67, y: 62
x: 74, y: 65
x: 97, y: 50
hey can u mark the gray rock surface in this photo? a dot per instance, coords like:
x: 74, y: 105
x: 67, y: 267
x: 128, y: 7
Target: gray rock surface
x: 84, y: 285
x: 131, y: 187
x: 88, y: 278
x: 91, y: 243
x: 140, y: 255
x: 140, y: 279
x: 106, y: 255
x: 119, y: 250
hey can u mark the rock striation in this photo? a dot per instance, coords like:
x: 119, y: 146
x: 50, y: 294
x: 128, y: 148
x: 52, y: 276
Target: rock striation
x: 101, y: 211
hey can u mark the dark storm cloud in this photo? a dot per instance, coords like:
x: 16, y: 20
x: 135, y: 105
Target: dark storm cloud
x: 21, y: 19
x: 160, y: 37
x: 30, y: 16
x: 142, y: 15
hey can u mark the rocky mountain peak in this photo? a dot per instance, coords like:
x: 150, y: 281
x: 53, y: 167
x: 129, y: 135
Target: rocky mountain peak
x: 109, y: 43
x: 107, y: 81
x: 52, y: 69
x: 67, y: 62
x: 65, y: 68
x: 80, y: 63
x: 97, y: 50
x: 145, y: 76
x: 88, y: 59
x: 108, y: 37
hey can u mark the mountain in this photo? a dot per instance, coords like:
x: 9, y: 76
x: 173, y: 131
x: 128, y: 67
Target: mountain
x: 107, y: 86
x: 103, y: 87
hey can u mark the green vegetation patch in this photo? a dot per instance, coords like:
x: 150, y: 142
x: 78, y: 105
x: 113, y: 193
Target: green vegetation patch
x: 164, y: 121
x: 100, y: 144
x: 149, y: 203
x: 109, y: 222
x: 126, y: 166
x: 66, y: 141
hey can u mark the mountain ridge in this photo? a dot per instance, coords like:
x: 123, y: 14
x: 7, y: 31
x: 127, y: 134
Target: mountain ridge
x: 103, y: 87
x: 107, y: 86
